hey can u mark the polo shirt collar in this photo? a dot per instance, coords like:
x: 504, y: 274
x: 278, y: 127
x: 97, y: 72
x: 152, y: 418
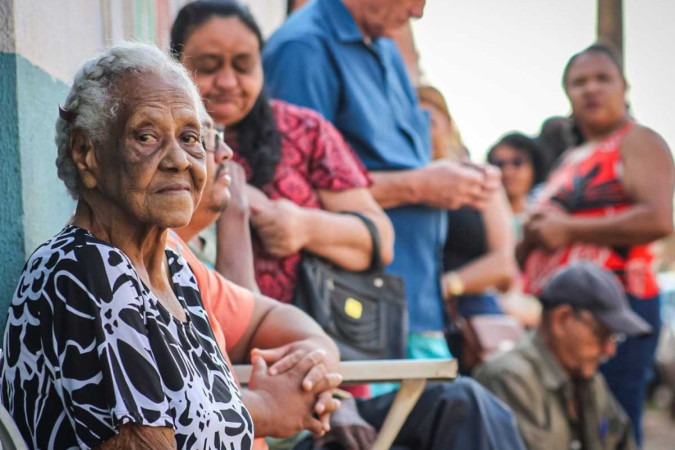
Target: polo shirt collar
x: 553, y: 376
x: 341, y: 21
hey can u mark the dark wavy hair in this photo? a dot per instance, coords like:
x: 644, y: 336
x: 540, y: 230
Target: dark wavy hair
x: 527, y: 146
x: 598, y: 47
x: 557, y: 134
x: 258, y: 138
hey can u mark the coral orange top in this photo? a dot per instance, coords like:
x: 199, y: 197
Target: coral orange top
x: 229, y: 306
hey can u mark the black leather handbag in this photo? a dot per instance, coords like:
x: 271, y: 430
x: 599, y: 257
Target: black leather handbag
x: 364, y: 312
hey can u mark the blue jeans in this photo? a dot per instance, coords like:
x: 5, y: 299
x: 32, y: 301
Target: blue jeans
x: 456, y: 415
x: 478, y: 304
x: 630, y: 371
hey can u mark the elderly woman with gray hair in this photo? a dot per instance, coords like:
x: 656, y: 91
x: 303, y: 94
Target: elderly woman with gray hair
x: 107, y: 344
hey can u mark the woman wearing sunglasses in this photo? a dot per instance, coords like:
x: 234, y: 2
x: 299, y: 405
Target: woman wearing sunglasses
x: 520, y: 160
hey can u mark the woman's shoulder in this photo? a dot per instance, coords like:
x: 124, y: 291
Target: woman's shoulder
x: 77, y: 254
x: 288, y: 114
x: 74, y: 265
x: 644, y: 140
x: 71, y: 244
x: 638, y: 132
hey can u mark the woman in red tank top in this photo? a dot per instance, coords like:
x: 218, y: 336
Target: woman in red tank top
x: 607, y: 201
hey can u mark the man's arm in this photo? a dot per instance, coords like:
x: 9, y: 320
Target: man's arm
x: 274, y: 325
x: 295, y: 71
x: 296, y: 348
x: 234, y: 256
x: 442, y: 184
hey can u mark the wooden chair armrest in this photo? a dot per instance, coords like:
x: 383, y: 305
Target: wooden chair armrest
x: 413, y: 375
x: 382, y: 371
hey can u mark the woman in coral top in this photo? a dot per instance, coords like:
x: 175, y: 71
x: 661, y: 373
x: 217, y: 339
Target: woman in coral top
x: 608, y: 200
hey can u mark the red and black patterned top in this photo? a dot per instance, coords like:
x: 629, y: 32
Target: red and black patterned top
x: 314, y: 157
x: 590, y: 185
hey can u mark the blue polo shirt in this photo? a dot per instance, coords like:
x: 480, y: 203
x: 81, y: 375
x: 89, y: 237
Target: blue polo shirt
x: 319, y: 59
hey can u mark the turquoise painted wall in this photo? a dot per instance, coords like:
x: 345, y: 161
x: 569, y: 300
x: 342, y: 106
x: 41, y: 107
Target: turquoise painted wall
x: 46, y: 204
x: 35, y: 204
x: 11, y: 208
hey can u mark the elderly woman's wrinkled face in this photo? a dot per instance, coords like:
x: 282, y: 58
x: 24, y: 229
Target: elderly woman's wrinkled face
x: 153, y: 166
x: 223, y: 55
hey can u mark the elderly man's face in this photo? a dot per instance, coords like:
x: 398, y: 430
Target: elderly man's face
x: 385, y: 17
x: 153, y: 167
x: 584, y: 342
x: 216, y: 195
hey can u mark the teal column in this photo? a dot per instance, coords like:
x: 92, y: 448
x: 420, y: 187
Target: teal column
x: 46, y: 204
x: 11, y: 207
x: 34, y: 203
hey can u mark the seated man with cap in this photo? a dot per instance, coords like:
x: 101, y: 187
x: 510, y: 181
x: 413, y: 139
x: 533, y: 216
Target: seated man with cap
x: 551, y: 379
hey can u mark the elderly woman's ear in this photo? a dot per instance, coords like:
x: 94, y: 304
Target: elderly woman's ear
x: 82, y: 150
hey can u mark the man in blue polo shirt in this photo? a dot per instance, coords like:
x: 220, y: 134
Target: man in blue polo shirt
x: 334, y: 56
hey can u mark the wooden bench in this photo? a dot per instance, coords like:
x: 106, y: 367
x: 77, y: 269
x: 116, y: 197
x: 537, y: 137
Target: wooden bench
x: 413, y: 374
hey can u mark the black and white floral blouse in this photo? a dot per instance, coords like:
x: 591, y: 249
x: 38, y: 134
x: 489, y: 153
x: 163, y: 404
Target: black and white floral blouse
x: 88, y: 348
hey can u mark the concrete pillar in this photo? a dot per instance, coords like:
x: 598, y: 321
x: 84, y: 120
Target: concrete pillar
x: 35, y: 203
x: 610, y: 24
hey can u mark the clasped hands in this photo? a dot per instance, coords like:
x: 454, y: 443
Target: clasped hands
x: 295, y: 388
x: 547, y: 229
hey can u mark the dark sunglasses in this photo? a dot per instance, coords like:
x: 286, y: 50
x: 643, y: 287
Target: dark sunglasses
x: 516, y: 162
x: 213, y: 139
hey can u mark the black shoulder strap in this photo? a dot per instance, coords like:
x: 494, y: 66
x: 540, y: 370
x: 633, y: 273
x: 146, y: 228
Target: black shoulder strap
x: 375, y: 260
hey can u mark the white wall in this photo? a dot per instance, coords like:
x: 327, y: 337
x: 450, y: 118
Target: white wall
x: 269, y: 13
x: 58, y: 36
x: 7, y: 26
x: 499, y: 64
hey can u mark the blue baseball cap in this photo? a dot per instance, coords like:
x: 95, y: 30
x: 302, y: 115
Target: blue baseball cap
x: 584, y: 285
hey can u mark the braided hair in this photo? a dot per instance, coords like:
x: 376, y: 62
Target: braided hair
x: 92, y: 103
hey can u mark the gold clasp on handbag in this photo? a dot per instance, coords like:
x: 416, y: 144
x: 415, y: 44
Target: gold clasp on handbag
x: 353, y: 308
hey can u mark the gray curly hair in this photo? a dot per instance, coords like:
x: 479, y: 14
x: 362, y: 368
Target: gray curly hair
x: 92, y: 102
